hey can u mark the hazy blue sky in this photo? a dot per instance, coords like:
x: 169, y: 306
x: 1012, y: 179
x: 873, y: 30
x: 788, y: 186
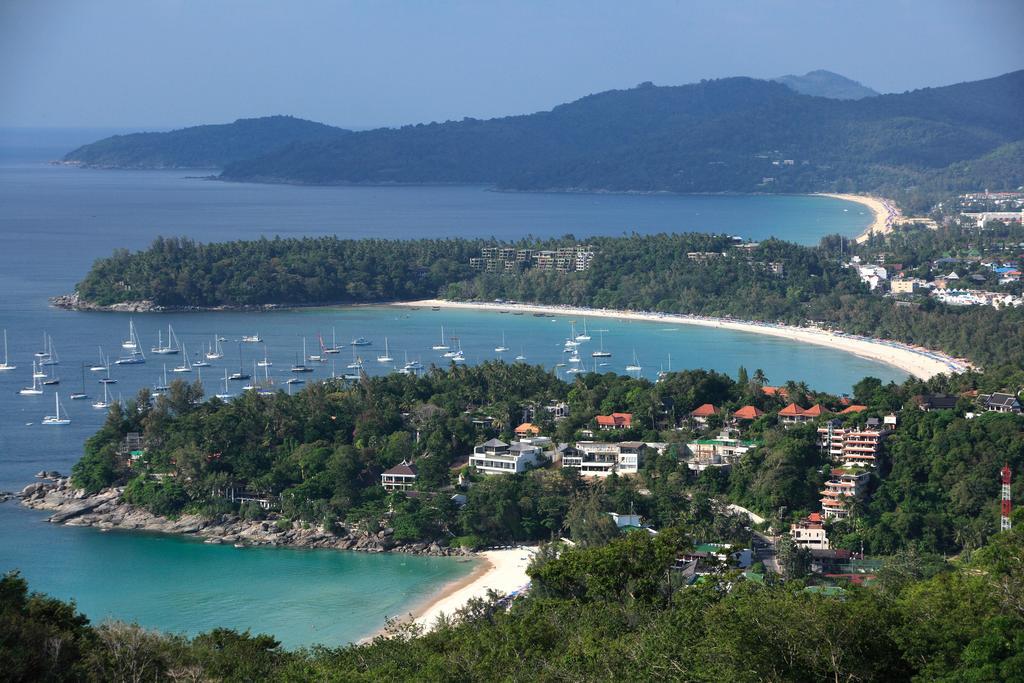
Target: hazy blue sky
x: 178, y: 62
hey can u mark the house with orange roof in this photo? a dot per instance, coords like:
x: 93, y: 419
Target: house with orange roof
x: 527, y: 429
x: 702, y: 413
x: 809, y: 533
x: 775, y: 391
x: 615, y: 421
x: 849, y: 410
x: 794, y: 414
x: 747, y: 413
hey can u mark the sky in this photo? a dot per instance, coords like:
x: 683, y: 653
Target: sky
x: 136, y: 64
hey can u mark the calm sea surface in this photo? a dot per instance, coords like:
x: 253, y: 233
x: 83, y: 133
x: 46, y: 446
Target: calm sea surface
x: 55, y: 221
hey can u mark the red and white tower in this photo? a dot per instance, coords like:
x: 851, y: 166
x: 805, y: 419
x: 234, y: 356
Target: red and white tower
x: 1007, y: 504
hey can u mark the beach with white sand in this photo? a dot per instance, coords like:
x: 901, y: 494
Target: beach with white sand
x: 917, y: 361
x: 885, y: 212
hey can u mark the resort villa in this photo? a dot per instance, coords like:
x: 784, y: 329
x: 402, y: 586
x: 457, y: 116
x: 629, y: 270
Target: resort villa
x: 401, y: 477
x: 614, y: 421
x: 794, y: 414
x: 722, y: 451
x: 809, y: 533
x: 497, y: 457
x: 596, y: 459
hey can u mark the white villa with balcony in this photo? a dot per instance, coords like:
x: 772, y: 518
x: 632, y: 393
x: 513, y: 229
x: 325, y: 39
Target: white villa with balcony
x: 497, y: 457
x: 597, y: 459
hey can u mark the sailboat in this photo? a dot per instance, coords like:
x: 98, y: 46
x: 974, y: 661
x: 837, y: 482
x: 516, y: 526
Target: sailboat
x: 227, y: 394
x: 45, y: 352
x: 453, y: 353
x: 136, y: 357
x: 79, y: 395
x: 386, y: 357
x: 241, y: 374
x: 601, y: 353
x: 357, y: 362
x: 7, y: 361
x: 56, y: 419
x: 314, y: 357
x: 104, y: 364
x: 301, y: 366
x: 442, y: 346
x: 215, y: 352
x: 635, y: 366
x: 49, y: 380
x: 502, y: 348
x: 583, y: 337
x: 200, y: 363
x: 185, y: 366
x: 171, y: 347
x: 664, y: 373
x: 334, y: 348
x: 266, y: 362
x: 50, y: 357
x: 35, y: 389
x: 132, y: 342
x: 521, y: 356
x: 108, y: 379
x: 459, y: 356
x: 161, y: 388
x: 105, y: 403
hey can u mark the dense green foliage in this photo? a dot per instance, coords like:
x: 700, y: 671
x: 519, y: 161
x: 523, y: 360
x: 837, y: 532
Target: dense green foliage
x: 608, y: 613
x: 712, y: 136
x: 212, y: 146
x: 649, y: 272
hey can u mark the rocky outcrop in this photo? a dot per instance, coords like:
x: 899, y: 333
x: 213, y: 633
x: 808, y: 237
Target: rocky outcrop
x: 74, y: 302
x: 108, y: 510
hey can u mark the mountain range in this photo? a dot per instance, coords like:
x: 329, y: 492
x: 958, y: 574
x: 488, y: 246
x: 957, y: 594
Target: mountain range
x: 724, y: 135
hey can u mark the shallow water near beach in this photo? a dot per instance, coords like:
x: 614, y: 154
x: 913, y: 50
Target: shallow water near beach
x: 55, y: 221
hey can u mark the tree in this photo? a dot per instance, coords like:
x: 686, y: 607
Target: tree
x: 588, y: 522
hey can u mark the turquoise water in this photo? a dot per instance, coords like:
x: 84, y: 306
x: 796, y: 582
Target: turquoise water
x: 55, y: 221
x: 186, y: 586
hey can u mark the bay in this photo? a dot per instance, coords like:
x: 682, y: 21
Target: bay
x: 54, y: 221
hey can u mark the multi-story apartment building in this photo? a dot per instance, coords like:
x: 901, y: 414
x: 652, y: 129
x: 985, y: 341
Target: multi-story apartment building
x: 844, y: 484
x: 497, y: 457
x: 809, y: 533
x: 852, y: 446
x: 597, y: 459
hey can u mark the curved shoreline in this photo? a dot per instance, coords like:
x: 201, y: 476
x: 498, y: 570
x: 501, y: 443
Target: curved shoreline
x: 917, y: 361
x: 885, y: 212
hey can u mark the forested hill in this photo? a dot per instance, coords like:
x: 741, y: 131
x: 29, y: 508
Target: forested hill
x: 211, y: 146
x: 823, y: 83
x: 734, y: 134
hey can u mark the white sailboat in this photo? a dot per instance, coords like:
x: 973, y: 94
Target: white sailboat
x: 50, y: 357
x: 35, y: 389
x: 57, y: 419
x: 635, y: 365
x: 454, y: 352
x: 502, y: 348
x: 105, y: 403
x: 227, y: 394
x: 314, y: 357
x: 215, y: 352
x: 300, y: 366
x: 170, y: 348
x: 7, y: 361
x: 44, y: 352
x: 583, y: 337
x: 442, y: 346
x: 104, y: 364
x: 521, y: 356
x: 132, y: 342
x: 334, y: 348
x: 266, y: 362
x: 185, y: 366
x: 664, y: 373
x: 200, y: 363
x: 601, y: 353
x: 357, y: 362
x: 386, y: 357
x: 163, y: 386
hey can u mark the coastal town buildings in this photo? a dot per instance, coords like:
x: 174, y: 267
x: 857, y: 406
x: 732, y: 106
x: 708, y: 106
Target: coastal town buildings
x: 794, y: 414
x: 568, y: 259
x: 721, y: 451
x: 844, y: 485
x: 852, y: 446
x: 614, y: 421
x: 497, y: 457
x: 702, y: 413
x: 401, y: 477
x: 597, y: 459
x: 747, y: 414
x: 999, y: 403
x: 809, y: 533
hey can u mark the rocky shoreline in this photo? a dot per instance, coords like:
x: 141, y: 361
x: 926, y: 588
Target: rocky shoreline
x: 108, y: 510
x: 74, y: 302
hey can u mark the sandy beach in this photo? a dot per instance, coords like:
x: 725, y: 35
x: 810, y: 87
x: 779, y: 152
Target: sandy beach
x: 917, y: 361
x: 501, y: 570
x: 885, y: 212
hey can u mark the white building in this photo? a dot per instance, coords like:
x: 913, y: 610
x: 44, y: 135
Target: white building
x: 497, y: 457
x: 597, y: 459
x: 809, y: 533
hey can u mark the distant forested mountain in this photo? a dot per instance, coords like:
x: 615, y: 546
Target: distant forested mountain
x: 728, y: 135
x: 823, y: 83
x: 211, y: 146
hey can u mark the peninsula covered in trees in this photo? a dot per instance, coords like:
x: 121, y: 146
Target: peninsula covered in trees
x: 726, y: 135
x: 692, y: 273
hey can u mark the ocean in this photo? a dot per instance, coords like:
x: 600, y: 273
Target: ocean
x: 54, y: 221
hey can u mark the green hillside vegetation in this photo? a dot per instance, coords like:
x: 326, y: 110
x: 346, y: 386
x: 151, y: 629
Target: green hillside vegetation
x: 651, y: 272
x: 211, y: 146
x: 713, y: 136
x: 605, y: 613
x: 322, y: 450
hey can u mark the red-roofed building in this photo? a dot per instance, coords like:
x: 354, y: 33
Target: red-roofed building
x: 615, y: 421
x: 809, y: 533
x: 853, y: 409
x: 527, y: 429
x: 747, y: 413
x: 852, y: 446
x: 815, y: 411
x: 702, y: 413
x: 793, y: 414
x: 775, y: 391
